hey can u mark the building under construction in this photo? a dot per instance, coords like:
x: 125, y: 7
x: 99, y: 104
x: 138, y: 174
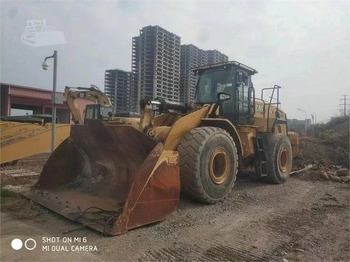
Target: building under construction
x: 157, y: 59
x: 191, y: 57
x: 156, y: 62
x: 120, y: 87
x: 214, y: 56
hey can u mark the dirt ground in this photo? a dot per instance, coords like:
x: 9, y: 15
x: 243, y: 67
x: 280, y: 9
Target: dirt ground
x: 305, y: 219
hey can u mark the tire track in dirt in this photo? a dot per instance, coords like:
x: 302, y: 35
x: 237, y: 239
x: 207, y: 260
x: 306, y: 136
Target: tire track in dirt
x: 194, y: 253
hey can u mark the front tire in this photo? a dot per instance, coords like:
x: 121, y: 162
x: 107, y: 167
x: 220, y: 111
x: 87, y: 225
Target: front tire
x: 280, y: 160
x: 208, y: 164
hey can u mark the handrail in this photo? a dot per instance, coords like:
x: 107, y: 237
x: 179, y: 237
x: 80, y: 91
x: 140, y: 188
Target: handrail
x: 271, y: 97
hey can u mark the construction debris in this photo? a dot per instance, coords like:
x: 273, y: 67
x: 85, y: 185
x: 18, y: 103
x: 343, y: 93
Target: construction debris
x: 324, y: 155
x: 19, y: 173
x: 302, y: 170
x: 17, y: 177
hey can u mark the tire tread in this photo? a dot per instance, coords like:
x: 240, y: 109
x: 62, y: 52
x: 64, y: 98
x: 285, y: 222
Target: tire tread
x: 189, y: 149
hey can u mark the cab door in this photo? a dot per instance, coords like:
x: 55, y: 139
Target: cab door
x: 244, y: 98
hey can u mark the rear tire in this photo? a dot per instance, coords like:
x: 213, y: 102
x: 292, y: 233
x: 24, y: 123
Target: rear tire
x: 280, y: 160
x: 208, y: 164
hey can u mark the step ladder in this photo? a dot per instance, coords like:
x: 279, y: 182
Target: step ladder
x: 261, y: 157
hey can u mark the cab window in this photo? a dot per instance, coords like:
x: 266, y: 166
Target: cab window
x: 211, y: 83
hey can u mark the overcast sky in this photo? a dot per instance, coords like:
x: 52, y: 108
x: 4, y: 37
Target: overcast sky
x: 302, y: 46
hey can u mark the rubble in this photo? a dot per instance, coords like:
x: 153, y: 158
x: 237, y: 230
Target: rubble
x: 325, y: 173
x: 343, y: 172
x: 334, y: 178
x: 345, y: 179
x: 326, y: 149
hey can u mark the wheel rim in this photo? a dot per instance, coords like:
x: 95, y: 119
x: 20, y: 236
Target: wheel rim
x: 219, y: 166
x: 283, y: 160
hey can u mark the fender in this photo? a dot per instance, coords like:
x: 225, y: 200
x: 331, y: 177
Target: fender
x: 183, y: 125
x: 228, y: 126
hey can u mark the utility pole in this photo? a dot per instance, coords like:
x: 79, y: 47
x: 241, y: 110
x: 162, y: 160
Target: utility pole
x: 305, y: 119
x: 45, y: 66
x: 344, y: 104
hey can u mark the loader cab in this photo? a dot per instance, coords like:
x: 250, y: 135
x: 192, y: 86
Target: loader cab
x: 97, y: 111
x: 233, y: 78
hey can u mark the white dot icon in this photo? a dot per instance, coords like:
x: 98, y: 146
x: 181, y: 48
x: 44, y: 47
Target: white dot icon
x: 16, y: 244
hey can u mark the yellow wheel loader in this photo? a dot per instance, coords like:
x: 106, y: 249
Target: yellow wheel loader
x: 102, y: 109
x: 23, y: 136
x: 113, y: 177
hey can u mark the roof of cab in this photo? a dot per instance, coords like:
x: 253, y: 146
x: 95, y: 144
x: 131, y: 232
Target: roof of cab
x: 232, y: 63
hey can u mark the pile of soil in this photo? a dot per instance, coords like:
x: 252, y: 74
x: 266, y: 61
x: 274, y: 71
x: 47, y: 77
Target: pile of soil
x: 327, y: 149
x: 327, y: 145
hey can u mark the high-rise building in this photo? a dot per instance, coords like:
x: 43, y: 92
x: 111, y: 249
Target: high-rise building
x: 156, y: 62
x: 192, y: 57
x: 120, y: 88
x: 214, y: 56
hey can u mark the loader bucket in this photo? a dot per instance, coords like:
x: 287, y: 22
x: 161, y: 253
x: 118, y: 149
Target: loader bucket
x: 109, y: 178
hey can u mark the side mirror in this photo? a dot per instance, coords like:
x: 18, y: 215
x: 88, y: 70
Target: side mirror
x: 223, y: 96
